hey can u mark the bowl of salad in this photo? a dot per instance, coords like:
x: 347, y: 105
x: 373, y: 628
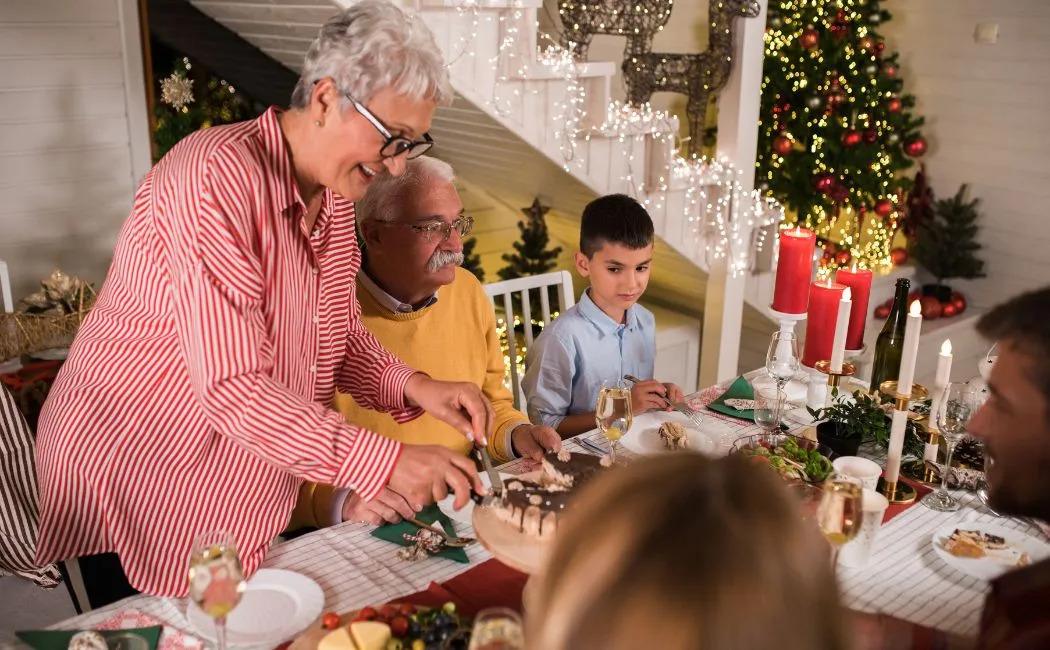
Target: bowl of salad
x: 793, y: 457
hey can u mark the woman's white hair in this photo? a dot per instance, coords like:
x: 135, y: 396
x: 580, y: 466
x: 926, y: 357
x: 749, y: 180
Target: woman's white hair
x: 385, y: 197
x: 373, y: 45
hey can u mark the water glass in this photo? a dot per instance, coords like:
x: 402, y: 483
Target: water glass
x: 956, y: 408
x: 767, y: 408
x: 782, y: 362
x: 497, y: 628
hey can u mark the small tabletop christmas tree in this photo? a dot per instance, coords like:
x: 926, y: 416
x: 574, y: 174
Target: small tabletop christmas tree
x: 947, y: 240
x: 532, y: 256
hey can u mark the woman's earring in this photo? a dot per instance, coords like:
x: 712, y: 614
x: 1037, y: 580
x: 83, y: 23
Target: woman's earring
x: 318, y: 123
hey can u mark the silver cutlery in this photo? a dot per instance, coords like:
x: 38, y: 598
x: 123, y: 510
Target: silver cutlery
x: 450, y: 540
x: 583, y: 442
x: 486, y: 462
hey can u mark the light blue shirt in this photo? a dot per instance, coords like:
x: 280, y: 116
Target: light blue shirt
x: 578, y: 351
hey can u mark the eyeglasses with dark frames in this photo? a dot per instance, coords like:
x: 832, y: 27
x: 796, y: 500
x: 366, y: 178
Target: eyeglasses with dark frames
x: 430, y: 230
x: 395, y: 145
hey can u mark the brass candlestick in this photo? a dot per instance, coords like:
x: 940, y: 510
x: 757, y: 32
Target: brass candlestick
x: 834, y: 378
x: 918, y: 470
x: 898, y: 492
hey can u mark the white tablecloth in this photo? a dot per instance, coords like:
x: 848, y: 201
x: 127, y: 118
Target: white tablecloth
x: 904, y: 579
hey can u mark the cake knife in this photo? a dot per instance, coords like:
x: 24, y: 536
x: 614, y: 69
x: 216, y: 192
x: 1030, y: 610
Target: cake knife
x: 486, y: 462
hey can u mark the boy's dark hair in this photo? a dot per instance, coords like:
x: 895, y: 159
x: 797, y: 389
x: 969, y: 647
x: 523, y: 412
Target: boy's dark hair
x: 617, y: 219
x: 1024, y: 323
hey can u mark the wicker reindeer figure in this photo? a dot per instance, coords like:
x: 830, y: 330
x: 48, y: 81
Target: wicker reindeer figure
x: 638, y: 19
x: 698, y: 76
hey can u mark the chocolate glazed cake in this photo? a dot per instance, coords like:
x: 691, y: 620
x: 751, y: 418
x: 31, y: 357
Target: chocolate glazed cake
x: 534, y: 507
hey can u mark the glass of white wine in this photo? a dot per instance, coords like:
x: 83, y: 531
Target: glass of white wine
x: 613, y: 412
x: 216, y: 579
x: 841, y: 511
x: 497, y: 628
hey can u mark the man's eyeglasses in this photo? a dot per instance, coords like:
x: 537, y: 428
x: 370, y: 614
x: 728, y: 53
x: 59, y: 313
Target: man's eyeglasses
x: 430, y: 230
x: 394, y: 145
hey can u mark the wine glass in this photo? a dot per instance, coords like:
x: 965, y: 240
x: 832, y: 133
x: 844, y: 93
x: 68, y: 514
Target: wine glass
x: 766, y: 400
x: 613, y: 412
x: 216, y: 579
x: 956, y: 408
x: 781, y: 364
x: 840, y: 511
x: 497, y: 628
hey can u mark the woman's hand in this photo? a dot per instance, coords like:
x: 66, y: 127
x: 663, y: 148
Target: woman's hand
x: 424, y: 473
x: 387, y: 507
x: 459, y: 404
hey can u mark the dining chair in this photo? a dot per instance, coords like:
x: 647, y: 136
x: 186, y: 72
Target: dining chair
x: 6, y: 299
x: 515, y: 297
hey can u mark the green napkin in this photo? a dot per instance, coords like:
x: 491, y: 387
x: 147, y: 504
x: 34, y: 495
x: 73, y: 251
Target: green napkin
x: 741, y: 389
x: 59, y: 639
x: 396, y: 532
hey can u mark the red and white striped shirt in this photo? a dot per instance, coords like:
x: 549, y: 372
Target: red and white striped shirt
x: 196, y: 393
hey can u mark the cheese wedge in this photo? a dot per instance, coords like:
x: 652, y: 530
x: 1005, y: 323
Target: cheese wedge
x: 338, y: 639
x: 370, y: 635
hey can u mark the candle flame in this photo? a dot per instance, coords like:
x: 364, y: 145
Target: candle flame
x: 798, y: 231
x: 829, y: 282
x: 854, y: 267
x: 916, y: 308
x: 946, y: 347
x: 846, y: 295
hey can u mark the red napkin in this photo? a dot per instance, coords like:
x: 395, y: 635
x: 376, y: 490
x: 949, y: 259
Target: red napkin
x: 490, y: 584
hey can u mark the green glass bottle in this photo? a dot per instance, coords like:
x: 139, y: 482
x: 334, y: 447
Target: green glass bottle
x: 890, y: 344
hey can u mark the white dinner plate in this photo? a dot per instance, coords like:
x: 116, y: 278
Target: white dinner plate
x: 644, y: 435
x: 990, y: 567
x: 276, y: 606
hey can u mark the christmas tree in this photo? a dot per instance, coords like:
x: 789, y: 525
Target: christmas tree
x: 184, y: 108
x: 946, y: 245
x: 837, y: 131
x: 471, y: 260
x: 532, y: 257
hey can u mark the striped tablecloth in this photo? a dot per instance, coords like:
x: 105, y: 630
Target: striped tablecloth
x: 904, y: 578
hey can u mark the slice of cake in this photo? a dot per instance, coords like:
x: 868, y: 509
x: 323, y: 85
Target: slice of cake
x: 674, y: 436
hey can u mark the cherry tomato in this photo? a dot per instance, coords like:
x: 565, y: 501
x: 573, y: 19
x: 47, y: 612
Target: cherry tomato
x: 330, y: 621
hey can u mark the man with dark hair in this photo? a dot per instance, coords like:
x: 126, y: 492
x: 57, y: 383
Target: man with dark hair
x: 1015, y: 426
x: 606, y: 335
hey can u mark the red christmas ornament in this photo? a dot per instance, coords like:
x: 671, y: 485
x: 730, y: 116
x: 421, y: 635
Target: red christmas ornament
x: 915, y: 147
x: 913, y: 296
x: 809, y: 38
x: 851, y: 138
x: 826, y: 258
x: 879, y: 47
x: 898, y: 256
x: 870, y: 136
x: 884, y: 208
x: 959, y: 302
x: 782, y: 145
x: 839, y: 193
x: 882, y: 311
x: 893, y: 105
x: 890, y: 70
x: 823, y: 183
x: 931, y: 307
x: 842, y: 258
x: 949, y: 309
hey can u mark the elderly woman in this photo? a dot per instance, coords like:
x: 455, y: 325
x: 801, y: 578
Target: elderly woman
x: 196, y: 396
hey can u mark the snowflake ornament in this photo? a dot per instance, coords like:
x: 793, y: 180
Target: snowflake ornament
x: 176, y: 91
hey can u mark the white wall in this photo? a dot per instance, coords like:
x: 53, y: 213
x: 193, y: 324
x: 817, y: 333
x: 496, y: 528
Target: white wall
x: 74, y: 135
x: 988, y: 124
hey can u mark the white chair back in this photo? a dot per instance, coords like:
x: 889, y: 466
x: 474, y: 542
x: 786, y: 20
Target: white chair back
x: 503, y: 294
x: 7, y: 301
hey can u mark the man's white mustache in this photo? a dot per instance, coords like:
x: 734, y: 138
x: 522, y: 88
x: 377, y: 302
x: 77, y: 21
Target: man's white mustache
x: 441, y: 259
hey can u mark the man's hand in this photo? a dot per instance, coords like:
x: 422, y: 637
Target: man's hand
x: 647, y: 395
x: 674, y: 393
x: 533, y: 440
x: 388, y: 507
x: 459, y: 404
x: 424, y: 474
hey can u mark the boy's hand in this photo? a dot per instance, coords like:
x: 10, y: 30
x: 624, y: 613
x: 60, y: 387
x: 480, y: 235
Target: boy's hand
x: 674, y: 394
x: 648, y: 395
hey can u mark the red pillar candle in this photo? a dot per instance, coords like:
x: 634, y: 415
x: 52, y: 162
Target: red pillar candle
x: 859, y: 283
x: 824, y: 297
x: 794, y: 270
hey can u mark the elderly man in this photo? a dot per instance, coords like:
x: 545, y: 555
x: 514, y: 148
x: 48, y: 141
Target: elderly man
x: 432, y: 314
x: 1015, y: 426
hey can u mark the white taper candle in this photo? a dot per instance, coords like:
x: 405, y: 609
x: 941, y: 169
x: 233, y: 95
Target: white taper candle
x: 940, y: 382
x: 896, y: 449
x: 838, y: 344
x: 912, y: 329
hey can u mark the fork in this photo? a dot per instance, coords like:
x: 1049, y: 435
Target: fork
x: 450, y: 540
x: 682, y: 408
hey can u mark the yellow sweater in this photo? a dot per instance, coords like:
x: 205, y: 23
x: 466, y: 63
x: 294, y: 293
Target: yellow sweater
x: 453, y: 339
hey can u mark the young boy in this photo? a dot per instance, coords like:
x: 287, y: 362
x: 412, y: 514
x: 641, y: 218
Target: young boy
x: 606, y: 335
